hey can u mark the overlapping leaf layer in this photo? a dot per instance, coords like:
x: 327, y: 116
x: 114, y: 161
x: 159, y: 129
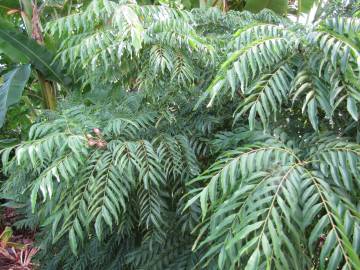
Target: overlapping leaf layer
x: 207, y: 141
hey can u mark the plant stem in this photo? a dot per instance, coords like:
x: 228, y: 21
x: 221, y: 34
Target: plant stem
x: 48, y: 92
x: 31, y: 18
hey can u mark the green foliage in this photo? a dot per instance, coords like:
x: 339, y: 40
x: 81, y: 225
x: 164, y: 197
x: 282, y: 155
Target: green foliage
x: 306, y: 5
x: 265, y: 203
x: 291, y: 63
x: 33, y: 52
x: 12, y: 88
x: 279, y: 6
x: 119, y: 31
x: 135, y: 171
x: 131, y: 182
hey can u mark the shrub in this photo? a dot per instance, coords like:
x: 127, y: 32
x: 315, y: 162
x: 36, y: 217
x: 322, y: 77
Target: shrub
x: 265, y: 175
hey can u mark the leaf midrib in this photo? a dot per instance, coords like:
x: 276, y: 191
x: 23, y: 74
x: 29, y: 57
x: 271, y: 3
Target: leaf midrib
x: 32, y: 53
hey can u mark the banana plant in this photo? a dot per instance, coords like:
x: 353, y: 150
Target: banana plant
x: 23, y: 49
x: 26, y: 49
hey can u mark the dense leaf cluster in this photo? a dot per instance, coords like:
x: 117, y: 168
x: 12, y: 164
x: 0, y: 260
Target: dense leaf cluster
x: 140, y: 173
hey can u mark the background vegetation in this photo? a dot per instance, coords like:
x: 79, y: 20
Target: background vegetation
x: 183, y: 135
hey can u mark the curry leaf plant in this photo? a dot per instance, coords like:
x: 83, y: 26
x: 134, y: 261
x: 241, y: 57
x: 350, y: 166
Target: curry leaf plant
x: 198, y: 140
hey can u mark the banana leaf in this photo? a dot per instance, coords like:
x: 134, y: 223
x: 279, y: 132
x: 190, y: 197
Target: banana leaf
x: 9, y: 4
x: 37, y: 55
x: 12, y: 88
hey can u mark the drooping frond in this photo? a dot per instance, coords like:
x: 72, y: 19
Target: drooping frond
x: 101, y: 172
x: 168, y: 256
x: 108, y: 33
x: 321, y: 66
x: 336, y: 38
x: 267, y: 96
x: 238, y: 163
x: 260, y: 203
x: 257, y: 49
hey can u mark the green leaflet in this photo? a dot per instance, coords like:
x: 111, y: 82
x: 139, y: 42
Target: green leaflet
x: 312, y: 113
x: 352, y: 108
x: 253, y: 261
